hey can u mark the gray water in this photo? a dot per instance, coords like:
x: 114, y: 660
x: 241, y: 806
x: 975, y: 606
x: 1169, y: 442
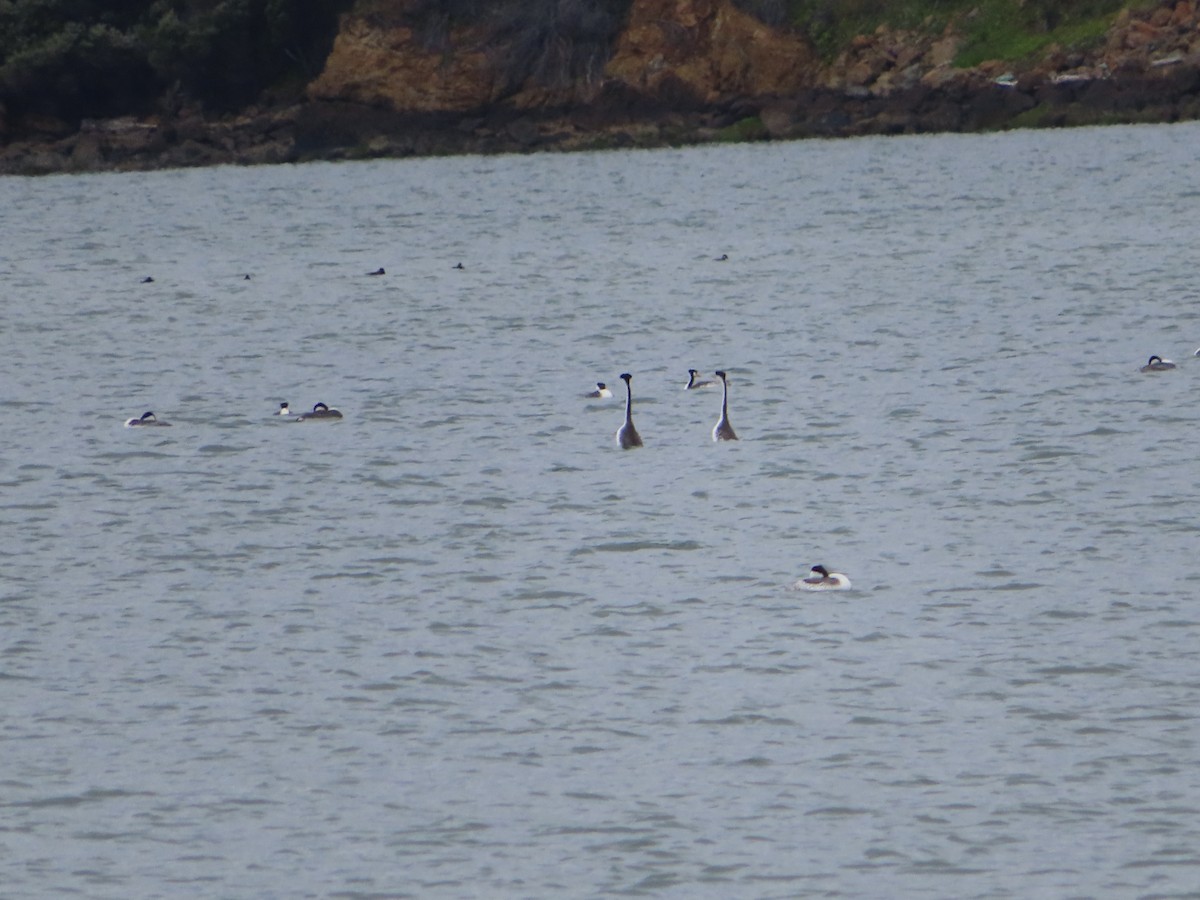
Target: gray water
x: 460, y: 645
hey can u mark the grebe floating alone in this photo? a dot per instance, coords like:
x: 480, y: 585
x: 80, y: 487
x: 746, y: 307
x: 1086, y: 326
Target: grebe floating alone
x: 821, y: 579
x: 723, y: 431
x: 147, y: 418
x: 627, y: 436
x: 600, y: 393
x: 1157, y: 364
x: 320, y: 411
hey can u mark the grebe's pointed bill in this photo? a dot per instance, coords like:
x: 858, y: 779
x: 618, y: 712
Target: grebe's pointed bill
x: 627, y: 436
x: 723, y: 431
x: 693, y: 384
x: 1157, y: 364
x: 601, y: 392
x: 821, y: 579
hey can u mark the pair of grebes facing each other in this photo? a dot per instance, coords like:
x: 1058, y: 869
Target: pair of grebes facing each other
x: 319, y: 412
x: 627, y: 435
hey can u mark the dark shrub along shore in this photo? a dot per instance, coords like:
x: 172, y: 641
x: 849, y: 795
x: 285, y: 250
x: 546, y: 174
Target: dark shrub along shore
x: 430, y: 77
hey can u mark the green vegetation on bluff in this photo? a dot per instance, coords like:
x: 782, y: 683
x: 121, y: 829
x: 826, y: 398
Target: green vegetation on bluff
x: 993, y: 29
x: 69, y: 59
x: 72, y: 58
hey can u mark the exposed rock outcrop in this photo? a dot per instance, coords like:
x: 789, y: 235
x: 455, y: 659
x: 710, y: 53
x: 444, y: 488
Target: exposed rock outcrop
x: 680, y: 71
x: 710, y: 47
x: 382, y: 63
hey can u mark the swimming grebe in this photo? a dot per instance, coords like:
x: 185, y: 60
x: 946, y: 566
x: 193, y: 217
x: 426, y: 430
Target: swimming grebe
x: 378, y: 271
x: 821, y: 579
x: 146, y: 419
x: 320, y: 411
x: 1157, y: 364
x: 600, y: 393
x: 627, y: 435
x: 283, y: 409
x: 723, y: 431
x: 693, y: 383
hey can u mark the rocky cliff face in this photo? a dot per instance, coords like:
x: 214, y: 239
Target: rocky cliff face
x: 700, y: 67
x: 382, y: 63
x: 714, y: 53
x: 680, y: 71
x: 706, y: 48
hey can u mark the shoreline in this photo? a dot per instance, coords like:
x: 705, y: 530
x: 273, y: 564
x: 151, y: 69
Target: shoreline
x: 965, y: 101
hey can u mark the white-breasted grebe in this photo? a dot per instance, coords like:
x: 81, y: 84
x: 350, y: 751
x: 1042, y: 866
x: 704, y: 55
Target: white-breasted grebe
x: 148, y: 418
x: 821, y: 579
x: 693, y: 383
x: 600, y: 393
x: 283, y: 409
x: 723, y: 431
x: 627, y: 435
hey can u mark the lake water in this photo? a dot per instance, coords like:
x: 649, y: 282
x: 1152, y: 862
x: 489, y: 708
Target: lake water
x: 460, y: 645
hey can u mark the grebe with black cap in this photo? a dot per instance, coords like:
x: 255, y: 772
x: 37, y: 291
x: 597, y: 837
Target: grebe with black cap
x: 320, y: 411
x: 600, y: 393
x: 627, y: 436
x: 821, y: 579
x: 723, y: 431
x: 147, y: 418
x: 1157, y: 364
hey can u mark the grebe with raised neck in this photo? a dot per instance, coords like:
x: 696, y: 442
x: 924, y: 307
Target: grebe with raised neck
x: 600, y: 393
x: 320, y: 411
x: 148, y: 418
x: 1157, y: 364
x: 821, y: 579
x: 693, y: 383
x: 284, y: 410
x: 723, y: 431
x: 627, y: 436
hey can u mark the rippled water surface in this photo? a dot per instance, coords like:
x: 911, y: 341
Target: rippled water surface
x: 460, y: 645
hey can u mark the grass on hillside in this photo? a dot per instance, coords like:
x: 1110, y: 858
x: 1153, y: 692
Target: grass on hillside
x: 992, y: 29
